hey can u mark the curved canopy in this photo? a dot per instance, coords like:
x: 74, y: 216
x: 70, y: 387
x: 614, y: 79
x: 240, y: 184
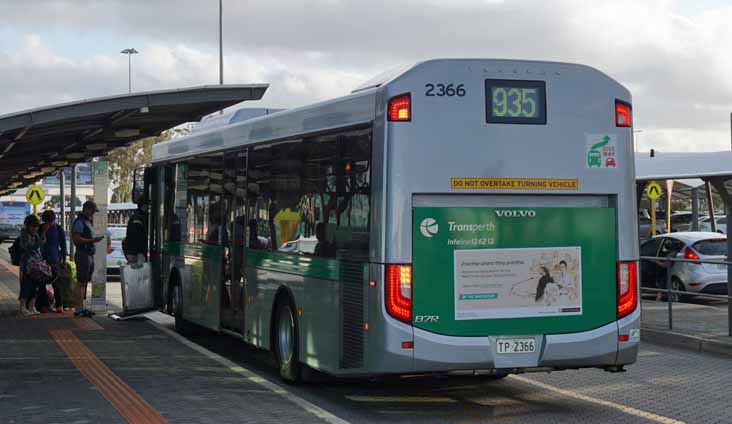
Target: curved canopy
x: 38, y: 142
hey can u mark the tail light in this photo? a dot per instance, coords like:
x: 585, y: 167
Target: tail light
x: 398, y: 291
x: 400, y: 108
x: 690, y: 254
x: 627, y: 288
x: 623, y: 114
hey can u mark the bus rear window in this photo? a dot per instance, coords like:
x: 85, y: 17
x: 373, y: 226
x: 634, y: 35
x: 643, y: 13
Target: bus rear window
x: 711, y: 247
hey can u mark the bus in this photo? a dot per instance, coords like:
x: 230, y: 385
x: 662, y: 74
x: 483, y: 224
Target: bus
x: 454, y: 215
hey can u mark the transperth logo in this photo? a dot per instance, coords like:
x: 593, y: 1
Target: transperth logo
x: 429, y: 227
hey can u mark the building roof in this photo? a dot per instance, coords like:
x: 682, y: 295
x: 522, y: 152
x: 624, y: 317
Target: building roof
x: 38, y: 142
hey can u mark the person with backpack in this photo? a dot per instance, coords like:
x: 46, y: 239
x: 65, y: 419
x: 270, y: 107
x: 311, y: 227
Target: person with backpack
x: 134, y: 246
x: 84, y: 241
x: 55, y: 253
x: 30, y: 243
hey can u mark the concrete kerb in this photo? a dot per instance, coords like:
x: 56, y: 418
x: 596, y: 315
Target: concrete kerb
x: 686, y: 341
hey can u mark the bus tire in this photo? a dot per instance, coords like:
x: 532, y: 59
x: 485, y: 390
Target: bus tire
x: 181, y: 325
x: 286, y: 346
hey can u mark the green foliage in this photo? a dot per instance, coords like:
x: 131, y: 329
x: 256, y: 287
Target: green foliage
x: 124, y: 161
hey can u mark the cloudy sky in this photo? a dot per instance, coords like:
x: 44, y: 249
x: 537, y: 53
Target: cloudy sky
x: 673, y: 55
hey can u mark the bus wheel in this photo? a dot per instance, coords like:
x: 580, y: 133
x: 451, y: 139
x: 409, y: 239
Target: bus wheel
x: 286, y: 342
x: 181, y: 326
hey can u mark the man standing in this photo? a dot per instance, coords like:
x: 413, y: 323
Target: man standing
x: 134, y: 245
x: 84, y: 240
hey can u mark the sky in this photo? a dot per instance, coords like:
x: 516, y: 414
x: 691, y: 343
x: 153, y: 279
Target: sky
x: 673, y: 55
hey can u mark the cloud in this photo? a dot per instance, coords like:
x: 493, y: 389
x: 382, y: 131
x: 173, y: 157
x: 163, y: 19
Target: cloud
x: 674, y: 62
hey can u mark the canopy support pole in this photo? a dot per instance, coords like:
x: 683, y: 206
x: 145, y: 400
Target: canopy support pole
x: 61, y: 194
x: 669, y: 195
x: 727, y: 198
x: 695, y: 209
x: 710, y: 206
x: 73, y: 210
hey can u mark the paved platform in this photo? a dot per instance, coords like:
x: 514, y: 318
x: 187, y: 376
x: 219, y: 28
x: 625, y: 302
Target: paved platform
x: 697, y: 325
x: 58, y: 369
x: 9, y: 289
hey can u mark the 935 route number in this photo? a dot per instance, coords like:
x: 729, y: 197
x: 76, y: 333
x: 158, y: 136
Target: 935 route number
x: 444, y: 90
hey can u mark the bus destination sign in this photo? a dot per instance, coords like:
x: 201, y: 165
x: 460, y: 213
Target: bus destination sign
x: 515, y: 102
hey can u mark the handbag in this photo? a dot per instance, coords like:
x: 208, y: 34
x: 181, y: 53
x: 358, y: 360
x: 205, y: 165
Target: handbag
x: 39, y: 269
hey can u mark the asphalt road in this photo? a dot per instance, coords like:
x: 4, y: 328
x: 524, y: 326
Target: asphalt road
x: 665, y: 386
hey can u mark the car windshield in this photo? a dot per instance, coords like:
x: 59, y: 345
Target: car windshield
x: 711, y: 246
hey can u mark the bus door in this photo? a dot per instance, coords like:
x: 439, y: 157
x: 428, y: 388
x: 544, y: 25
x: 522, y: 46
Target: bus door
x: 141, y: 290
x: 234, y: 218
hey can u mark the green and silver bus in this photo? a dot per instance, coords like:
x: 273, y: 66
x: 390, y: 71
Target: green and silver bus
x: 452, y: 215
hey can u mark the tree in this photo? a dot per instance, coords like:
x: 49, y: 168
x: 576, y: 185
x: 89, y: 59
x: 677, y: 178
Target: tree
x: 124, y: 161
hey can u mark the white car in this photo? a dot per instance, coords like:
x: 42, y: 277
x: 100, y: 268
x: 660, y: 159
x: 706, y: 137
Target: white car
x: 687, y: 276
x: 705, y: 224
x: 116, y: 257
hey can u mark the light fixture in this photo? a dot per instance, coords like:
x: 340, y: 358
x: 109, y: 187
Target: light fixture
x: 96, y: 146
x: 75, y: 155
x: 127, y: 132
x: 59, y: 163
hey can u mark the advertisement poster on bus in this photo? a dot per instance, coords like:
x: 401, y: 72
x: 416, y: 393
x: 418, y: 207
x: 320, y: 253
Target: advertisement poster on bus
x: 513, y: 270
x: 512, y: 283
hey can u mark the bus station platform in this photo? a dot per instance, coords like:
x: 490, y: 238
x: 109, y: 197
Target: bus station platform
x: 55, y: 368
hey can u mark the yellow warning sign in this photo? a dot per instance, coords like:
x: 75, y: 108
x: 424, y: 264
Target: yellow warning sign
x: 514, y: 183
x: 654, y: 190
x: 34, y: 195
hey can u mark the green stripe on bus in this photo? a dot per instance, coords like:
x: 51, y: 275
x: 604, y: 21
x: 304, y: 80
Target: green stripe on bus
x: 307, y: 266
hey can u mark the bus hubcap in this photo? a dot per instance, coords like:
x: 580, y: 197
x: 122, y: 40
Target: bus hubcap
x: 285, y: 334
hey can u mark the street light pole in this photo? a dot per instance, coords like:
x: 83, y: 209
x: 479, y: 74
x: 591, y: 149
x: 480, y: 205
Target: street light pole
x: 129, y: 52
x: 221, y: 42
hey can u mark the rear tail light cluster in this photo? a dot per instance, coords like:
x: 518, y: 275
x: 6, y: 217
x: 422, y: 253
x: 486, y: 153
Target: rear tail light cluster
x: 623, y: 114
x: 398, y: 291
x: 627, y: 275
x: 690, y: 254
x: 400, y: 108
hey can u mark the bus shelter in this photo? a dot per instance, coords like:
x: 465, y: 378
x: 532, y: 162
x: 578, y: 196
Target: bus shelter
x: 41, y: 142
x: 707, y: 171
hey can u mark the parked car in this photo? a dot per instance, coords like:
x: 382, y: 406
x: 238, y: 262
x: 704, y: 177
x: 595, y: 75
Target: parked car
x: 9, y: 232
x: 687, y: 276
x: 644, y: 227
x: 706, y: 224
x: 116, y: 257
x: 300, y: 245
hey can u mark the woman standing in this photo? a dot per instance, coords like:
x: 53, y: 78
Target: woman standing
x: 31, y: 243
x: 54, y: 251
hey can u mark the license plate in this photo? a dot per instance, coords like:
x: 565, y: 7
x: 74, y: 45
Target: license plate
x: 504, y: 346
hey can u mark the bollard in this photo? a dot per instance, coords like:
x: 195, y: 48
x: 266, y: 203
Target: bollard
x: 668, y: 296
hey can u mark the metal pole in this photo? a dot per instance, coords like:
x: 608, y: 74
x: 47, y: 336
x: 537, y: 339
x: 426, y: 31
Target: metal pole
x: 668, y: 296
x: 669, y: 195
x: 62, y: 195
x: 710, y: 206
x: 73, y: 208
x: 129, y: 72
x: 695, y: 209
x: 221, y: 43
x: 729, y: 267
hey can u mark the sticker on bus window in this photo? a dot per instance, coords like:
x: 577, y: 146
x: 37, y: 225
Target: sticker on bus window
x: 601, y: 151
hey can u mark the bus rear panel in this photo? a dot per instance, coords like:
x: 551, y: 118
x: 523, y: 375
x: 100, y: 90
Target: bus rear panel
x: 509, y: 238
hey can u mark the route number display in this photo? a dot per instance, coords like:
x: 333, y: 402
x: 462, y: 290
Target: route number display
x: 515, y: 102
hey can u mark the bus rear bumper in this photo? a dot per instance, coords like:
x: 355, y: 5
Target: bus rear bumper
x: 595, y: 348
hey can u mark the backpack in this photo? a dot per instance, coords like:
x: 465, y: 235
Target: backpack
x: 15, y: 252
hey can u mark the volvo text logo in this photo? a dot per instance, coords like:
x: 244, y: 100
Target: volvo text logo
x: 516, y: 214
x: 428, y: 227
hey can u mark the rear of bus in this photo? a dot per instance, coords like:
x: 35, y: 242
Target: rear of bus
x: 509, y: 235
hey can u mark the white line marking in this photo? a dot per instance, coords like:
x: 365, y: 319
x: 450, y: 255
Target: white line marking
x: 622, y: 408
x: 255, y: 378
